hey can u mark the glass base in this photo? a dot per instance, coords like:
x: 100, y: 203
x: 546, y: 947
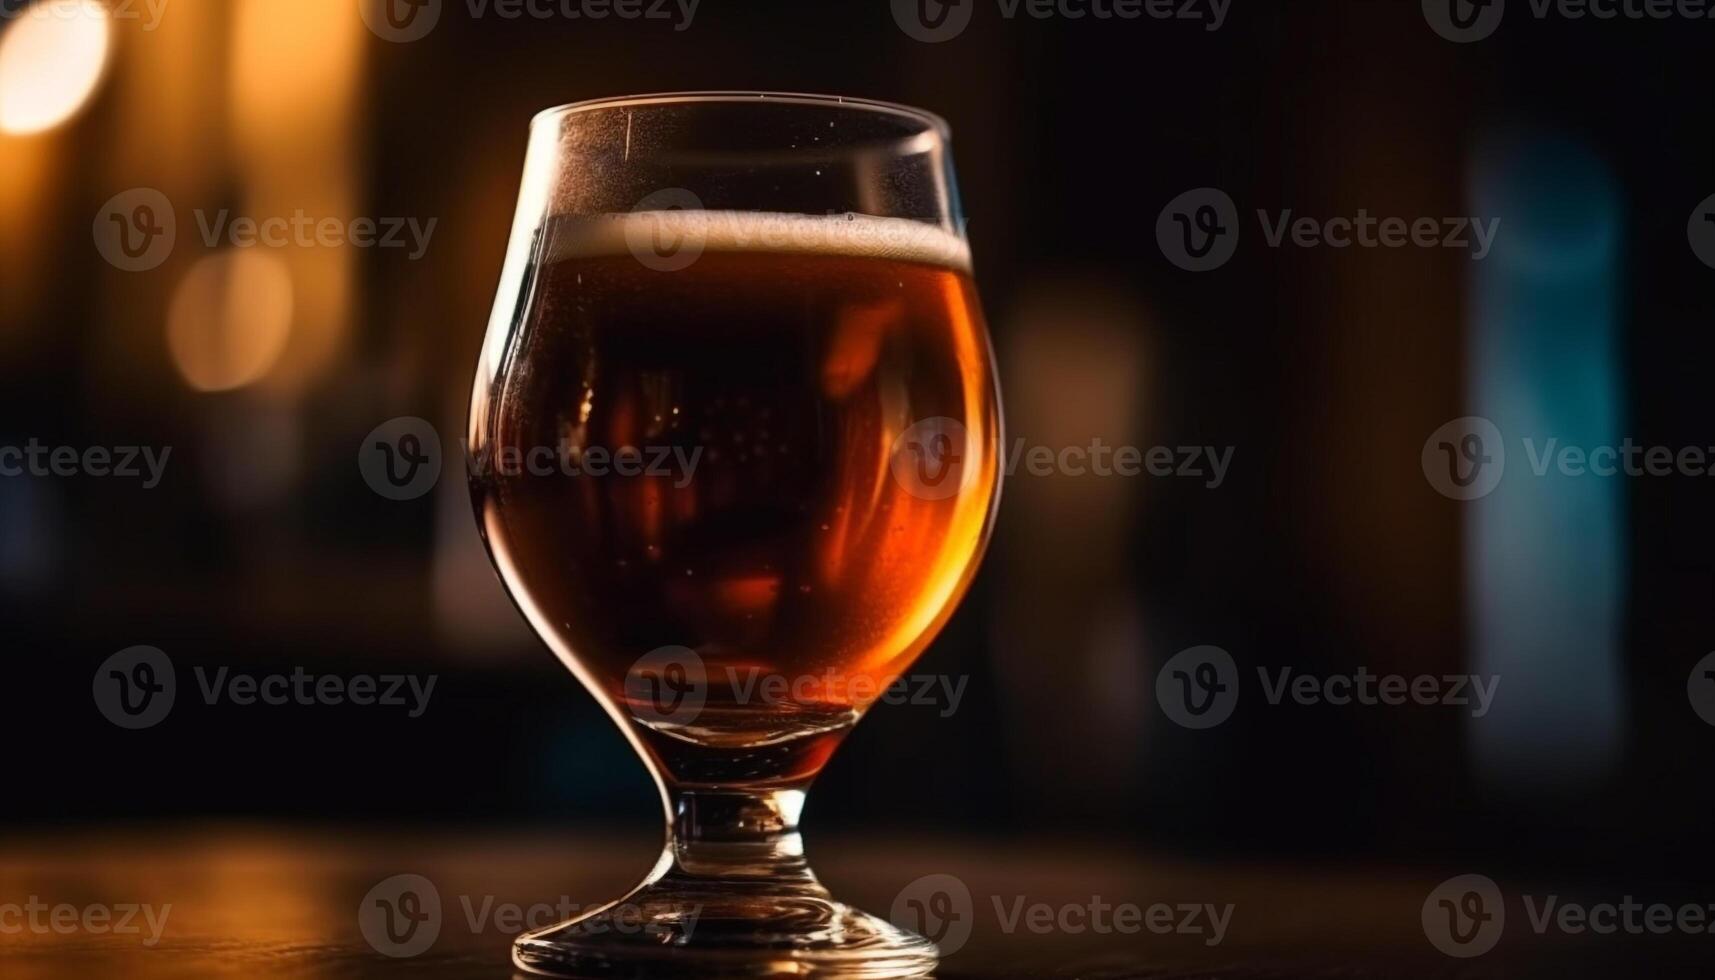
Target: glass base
x: 686, y: 927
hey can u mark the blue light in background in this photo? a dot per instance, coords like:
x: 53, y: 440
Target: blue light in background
x: 1546, y: 554
x: 29, y: 534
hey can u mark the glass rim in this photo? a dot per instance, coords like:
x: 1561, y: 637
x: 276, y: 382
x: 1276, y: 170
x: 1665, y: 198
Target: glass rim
x: 738, y: 96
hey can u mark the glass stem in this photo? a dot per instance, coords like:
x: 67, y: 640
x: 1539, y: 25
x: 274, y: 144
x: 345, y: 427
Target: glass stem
x: 737, y: 834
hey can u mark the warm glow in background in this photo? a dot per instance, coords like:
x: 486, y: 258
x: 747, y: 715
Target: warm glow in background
x: 1325, y: 370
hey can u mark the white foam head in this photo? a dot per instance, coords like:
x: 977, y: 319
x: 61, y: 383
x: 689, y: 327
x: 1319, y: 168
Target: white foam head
x: 658, y: 234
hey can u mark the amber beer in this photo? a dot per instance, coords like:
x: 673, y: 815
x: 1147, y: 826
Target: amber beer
x: 827, y: 375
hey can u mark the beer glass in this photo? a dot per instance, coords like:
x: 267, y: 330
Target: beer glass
x: 734, y: 451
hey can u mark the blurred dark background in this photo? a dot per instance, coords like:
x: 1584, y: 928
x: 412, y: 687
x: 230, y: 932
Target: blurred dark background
x: 1325, y: 549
